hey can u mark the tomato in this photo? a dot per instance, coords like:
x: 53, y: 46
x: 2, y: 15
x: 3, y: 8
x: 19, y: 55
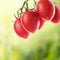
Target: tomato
x: 30, y: 21
x: 41, y: 23
x: 46, y: 9
x: 56, y: 18
x: 19, y: 29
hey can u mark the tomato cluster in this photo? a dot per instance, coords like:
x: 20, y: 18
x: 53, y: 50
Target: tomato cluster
x: 31, y: 20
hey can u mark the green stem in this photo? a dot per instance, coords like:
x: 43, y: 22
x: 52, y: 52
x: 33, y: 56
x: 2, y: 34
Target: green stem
x: 15, y: 16
x: 20, y: 10
x: 24, y: 4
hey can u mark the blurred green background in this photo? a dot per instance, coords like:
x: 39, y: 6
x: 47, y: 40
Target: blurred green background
x: 43, y: 45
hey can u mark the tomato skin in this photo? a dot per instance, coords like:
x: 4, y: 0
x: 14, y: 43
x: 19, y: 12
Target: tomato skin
x: 56, y: 18
x: 19, y: 29
x: 30, y: 21
x: 41, y: 23
x: 46, y: 9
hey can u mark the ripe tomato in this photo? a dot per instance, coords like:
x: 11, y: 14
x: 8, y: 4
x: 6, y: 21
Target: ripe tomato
x: 19, y: 29
x: 56, y: 18
x: 46, y: 9
x: 41, y: 23
x: 30, y: 21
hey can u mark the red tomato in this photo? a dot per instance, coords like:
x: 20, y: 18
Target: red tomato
x: 56, y: 18
x: 46, y: 9
x: 41, y: 23
x: 30, y: 21
x: 19, y: 29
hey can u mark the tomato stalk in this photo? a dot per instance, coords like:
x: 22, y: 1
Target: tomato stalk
x: 20, y: 10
